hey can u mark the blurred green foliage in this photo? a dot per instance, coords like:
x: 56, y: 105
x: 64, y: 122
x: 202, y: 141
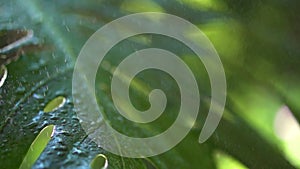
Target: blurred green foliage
x: 258, y: 43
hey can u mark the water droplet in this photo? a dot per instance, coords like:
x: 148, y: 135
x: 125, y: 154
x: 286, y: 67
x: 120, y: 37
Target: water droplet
x: 32, y: 125
x: 60, y: 153
x: 59, y: 140
x: 60, y: 148
x: 42, y: 125
x: 63, y: 132
x: 54, y: 117
x: 55, y: 104
x: 99, y: 162
x: 20, y: 90
x: 38, y: 96
x: 77, y: 151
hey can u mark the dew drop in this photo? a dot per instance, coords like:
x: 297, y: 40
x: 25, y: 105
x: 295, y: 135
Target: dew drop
x: 54, y: 117
x: 20, y: 90
x: 61, y: 148
x: 99, y: 162
x: 55, y: 104
x: 38, y: 96
x: 77, y: 151
x: 60, y: 154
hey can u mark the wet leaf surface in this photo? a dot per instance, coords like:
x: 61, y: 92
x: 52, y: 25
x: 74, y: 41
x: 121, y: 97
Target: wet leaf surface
x: 38, y: 76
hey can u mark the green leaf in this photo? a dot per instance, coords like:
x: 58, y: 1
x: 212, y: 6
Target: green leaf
x: 31, y: 96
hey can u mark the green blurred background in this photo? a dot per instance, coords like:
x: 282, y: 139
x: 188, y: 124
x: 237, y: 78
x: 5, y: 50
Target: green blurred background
x: 258, y: 43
